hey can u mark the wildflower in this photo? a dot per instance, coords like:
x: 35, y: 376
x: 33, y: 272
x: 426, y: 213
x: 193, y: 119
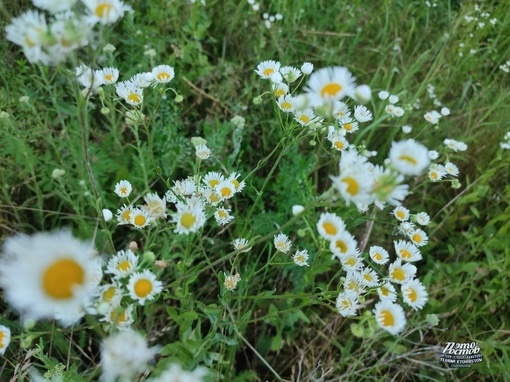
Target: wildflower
x: 280, y: 89
x: 330, y: 225
x: 238, y: 186
x: 231, y: 281
x: 362, y: 94
x: 432, y: 117
x: 433, y: 154
x: 5, y: 338
x: 387, y: 292
x: 409, y: 157
x: 285, y: 103
x: 329, y: 84
x: 282, y: 243
x: 297, y: 210
x: 125, y: 354
x: 398, y: 111
x: 301, y: 257
x: 189, y: 218
x: 445, y: 111
x: 111, y: 294
x: 409, y: 251
x: 343, y: 244
x: 399, y: 273
x: 108, y: 75
x: 436, y: 172
x: 390, y: 316
x: 123, y: 188
x: 122, y: 264
x: 54, y: 6
x: 266, y: 68
x: 406, y: 129
x: 418, y: 237
x: 107, y: 215
x: 213, y: 179
x: 451, y: 169
x: 305, y: 117
x: 369, y: 277
x: 348, y: 124
x: 226, y: 189
x: 383, y: 94
x: 27, y: 31
x: 390, y: 109
x: 338, y: 141
x: 353, y: 283
x: 405, y: 228
x: 362, y: 114
x: 174, y: 373
x: 143, y: 286
x: 155, y: 206
x: 241, y: 245
x: 222, y: 216
x: 163, y: 74
x: 131, y: 93
x: 119, y: 317
x: 105, y: 11
x: 88, y: 78
x: 414, y: 294
x: 307, y: 68
x: 143, y: 80
x: 455, y: 145
x: 354, y: 183
x: 347, y: 303
x: 140, y: 218
x: 276, y: 78
x: 124, y: 214
x: 290, y: 74
x: 341, y: 110
x: 203, y: 152
x: 401, y: 213
x: 49, y: 275
x: 351, y: 262
x: 422, y: 218
x: 379, y: 255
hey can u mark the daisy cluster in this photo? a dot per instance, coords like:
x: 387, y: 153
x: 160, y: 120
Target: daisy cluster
x: 50, y: 40
x: 282, y: 244
x: 391, y: 108
x: 362, y: 279
x: 131, y: 90
x: 194, y: 199
x: 476, y: 23
x: 440, y: 171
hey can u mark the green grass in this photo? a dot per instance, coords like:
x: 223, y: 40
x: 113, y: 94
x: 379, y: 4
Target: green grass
x: 280, y: 323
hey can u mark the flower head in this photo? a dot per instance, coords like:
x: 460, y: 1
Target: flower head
x: 143, y: 286
x: 5, y: 338
x: 282, y: 243
x: 390, y: 316
x: 122, y: 264
x: 347, y: 303
x: 330, y: 225
x: 329, y: 84
x: 105, y: 11
x: 409, y: 157
x: 301, y: 257
x: 379, y: 255
x: 163, y: 74
x: 414, y: 293
x: 266, y: 68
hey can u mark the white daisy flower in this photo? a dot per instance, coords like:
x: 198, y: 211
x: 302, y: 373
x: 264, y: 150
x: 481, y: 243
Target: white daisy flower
x: 142, y: 80
x: 280, y: 89
x: 338, y: 141
x: 305, y: 117
x: 301, y: 257
x: 124, y: 354
x: 414, y: 294
x: 122, y: 264
x: 451, y: 169
x: 88, y: 78
x: 143, y: 286
x: 353, y: 283
x: 203, y: 152
x: 390, y: 316
x: 131, y: 93
x: 347, y: 303
x: 285, y: 103
x: 418, y: 237
x: 393, y: 99
x: 189, y: 218
x: 105, y: 11
x: 436, y: 172
x: 5, y: 338
x: 231, y: 281
x: 222, y: 216
x: 111, y: 294
x: 307, y: 68
x: 409, y: 157
x: 139, y: 218
x: 241, y: 245
x: 329, y: 84
x: 351, y: 262
x: 401, y: 213
x: 123, y: 188
x: 422, y: 218
x: 343, y: 244
x: 225, y: 189
x: 354, y: 183
x: 433, y: 154
x: 362, y: 114
x: 341, y: 110
x: 163, y: 74
x: 108, y: 75
x: 211, y: 196
x: 407, y: 251
x: 282, y: 243
x: 455, y: 145
x: 387, y: 292
x: 119, y: 317
x: 330, y: 225
x: 213, y: 179
x: 432, y: 117
x: 124, y: 214
x: 49, y: 275
x: 266, y: 68
x: 290, y: 73
x: 155, y: 206
x: 399, y: 273
x: 238, y: 185
x: 379, y: 255
x: 348, y: 125
x: 383, y: 94
x: 369, y: 277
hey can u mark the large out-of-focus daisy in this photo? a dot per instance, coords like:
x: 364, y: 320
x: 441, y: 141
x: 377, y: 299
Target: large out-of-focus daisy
x: 49, y: 275
x: 105, y: 11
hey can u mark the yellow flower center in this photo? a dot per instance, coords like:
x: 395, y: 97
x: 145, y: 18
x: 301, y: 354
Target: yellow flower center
x: 412, y: 295
x: 417, y: 238
x: 213, y: 183
x: 405, y: 254
x: 187, y: 220
x: 352, y: 185
x: 268, y: 72
x: 126, y: 215
x: 143, y: 287
x: 409, y: 159
x: 213, y: 198
x: 387, y: 318
x: 401, y: 215
x: 398, y: 274
x: 339, y: 145
x: 118, y: 317
x: 351, y: 261
x: 304, y: 118
x: 140, y: 220
x: 300, y: 259
x: 124, y: 266
x: 330, y: 228
x: 348, y: 126
x: 352, y: 285
x: 331, y: 90
x: 235, y: 183
x: 163, y: 76
x: 368, y: 277
x: 108, y: 77
x: 226, y: 192
x: 377, y: 256
x: 340, y: 244
x: 433, y: 175
x: 279, y: 92
x: 346, y: 304
x: 124, y: 190
x: 103, y: 9
x: 60, y: 278
x: 134, y: 97
x: 222, y: 214
x: 286, y: 105
x: 1, y: 340
x: 385, y: 291
x: 109, y: 293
